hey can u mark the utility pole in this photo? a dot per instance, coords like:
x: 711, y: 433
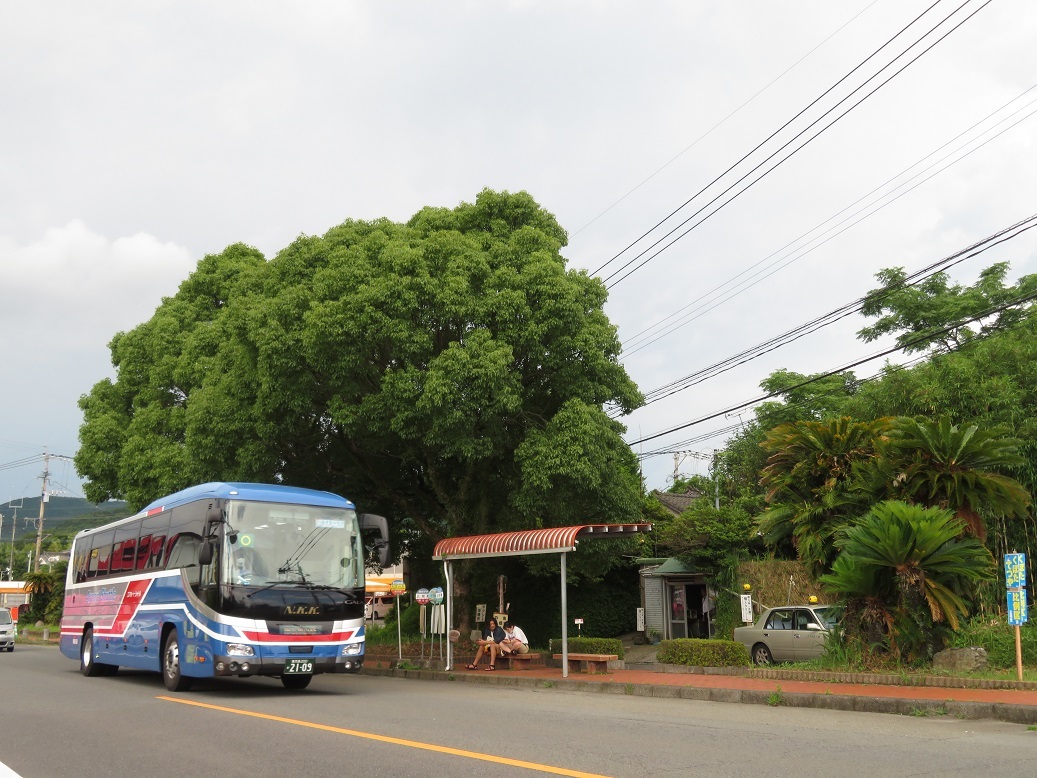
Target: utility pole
x: 44, y: 496
x: 43, y: 501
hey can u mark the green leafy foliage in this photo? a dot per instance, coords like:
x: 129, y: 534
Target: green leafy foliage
x: 703, y: 653
x: 585, y: 645
x: 998, y: 638
x: 450, y: 370
x: 931, y: 314
x: 903, y: 571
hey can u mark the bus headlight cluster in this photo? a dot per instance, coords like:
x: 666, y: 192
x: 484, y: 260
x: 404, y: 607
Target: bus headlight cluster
x: 239, y: 649
x: 352, y: 649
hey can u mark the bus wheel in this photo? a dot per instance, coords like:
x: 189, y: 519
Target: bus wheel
x: 296, y: 681
x: 87, y: 665
x: 171, y: 675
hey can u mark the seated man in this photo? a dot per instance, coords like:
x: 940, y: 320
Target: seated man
x: 514, y: 642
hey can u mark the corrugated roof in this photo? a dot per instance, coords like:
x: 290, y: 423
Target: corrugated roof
x: 553, y: 540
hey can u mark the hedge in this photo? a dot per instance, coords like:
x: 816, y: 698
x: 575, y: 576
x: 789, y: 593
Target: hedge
x: 702, y: 653
x: 589, y: 646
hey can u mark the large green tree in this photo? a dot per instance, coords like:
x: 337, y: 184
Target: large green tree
x: 450, y: 370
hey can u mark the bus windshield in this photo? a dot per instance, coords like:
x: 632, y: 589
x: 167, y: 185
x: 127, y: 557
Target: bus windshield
x: 271, y: 543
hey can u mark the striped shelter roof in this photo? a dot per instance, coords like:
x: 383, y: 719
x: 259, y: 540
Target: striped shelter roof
x: 553, y: 540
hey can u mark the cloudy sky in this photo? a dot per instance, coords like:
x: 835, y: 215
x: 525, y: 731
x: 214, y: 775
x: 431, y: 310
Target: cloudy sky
x: 137, y: 137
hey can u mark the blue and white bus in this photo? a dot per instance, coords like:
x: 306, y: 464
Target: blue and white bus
x: 223, y: 579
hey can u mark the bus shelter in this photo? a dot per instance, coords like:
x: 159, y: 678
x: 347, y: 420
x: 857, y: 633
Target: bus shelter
x: 554, y: 540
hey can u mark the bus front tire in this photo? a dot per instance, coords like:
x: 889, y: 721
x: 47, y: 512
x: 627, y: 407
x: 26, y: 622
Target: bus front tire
x: 174, y: 680
x: 295, y: 682
x: 88, y: 666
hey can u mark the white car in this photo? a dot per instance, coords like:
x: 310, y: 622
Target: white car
x: 377, y: 607
x: 7, y: 630
x: 793, y: 633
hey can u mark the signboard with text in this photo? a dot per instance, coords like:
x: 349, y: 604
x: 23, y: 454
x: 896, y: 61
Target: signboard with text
x: 1017, y: 608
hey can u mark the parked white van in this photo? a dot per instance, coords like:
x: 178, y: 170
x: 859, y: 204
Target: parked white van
x: 377, y: 607
x: 6, y: 630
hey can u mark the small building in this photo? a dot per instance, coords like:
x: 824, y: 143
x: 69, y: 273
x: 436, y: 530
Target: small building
x: 677, y: 600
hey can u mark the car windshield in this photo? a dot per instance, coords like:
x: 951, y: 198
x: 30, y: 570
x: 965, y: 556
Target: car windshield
x: 828, y: 616
x: 5, y: 617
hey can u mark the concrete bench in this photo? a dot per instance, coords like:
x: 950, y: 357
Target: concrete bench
x: 589, y: 663
x: 516, y: 661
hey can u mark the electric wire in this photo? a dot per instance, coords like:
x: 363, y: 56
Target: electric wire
x: 723, y: 121
x: 694, y: 310
x: 920, y: 339
x: 842, y: 312
x: 788, y: 156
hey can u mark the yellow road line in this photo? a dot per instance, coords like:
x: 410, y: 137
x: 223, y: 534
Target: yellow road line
x: 394, y: 740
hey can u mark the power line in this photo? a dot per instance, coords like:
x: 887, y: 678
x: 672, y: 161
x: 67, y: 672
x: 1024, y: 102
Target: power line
x: 669, y: 325
x: 920, y: 339
x: 781, y: 161
x: 842, y: 312
x: 723, y: 121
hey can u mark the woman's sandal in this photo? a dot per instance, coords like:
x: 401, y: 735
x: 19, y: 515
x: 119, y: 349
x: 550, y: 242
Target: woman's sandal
x: 471, y: 667
x: 491, y: 667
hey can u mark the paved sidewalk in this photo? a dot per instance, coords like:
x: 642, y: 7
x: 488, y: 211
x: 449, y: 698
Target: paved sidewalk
x: 1017, y: 705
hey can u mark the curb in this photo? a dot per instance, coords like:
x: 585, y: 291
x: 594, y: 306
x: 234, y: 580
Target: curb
x: 1016, y: 714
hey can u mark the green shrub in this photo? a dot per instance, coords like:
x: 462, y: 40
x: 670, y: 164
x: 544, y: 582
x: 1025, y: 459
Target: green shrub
x: 702, y: 653
x: 998, y: 639
x: 589, y: 646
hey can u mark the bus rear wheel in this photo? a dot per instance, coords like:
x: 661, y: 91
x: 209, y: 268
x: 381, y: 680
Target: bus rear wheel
x: 296, y: 681
x: 174, y: 680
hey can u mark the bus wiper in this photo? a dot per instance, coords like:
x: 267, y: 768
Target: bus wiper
x: 293, y: 564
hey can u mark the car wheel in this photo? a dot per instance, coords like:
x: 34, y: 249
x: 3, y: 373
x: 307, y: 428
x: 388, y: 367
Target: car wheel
x: 174, y: 680
x: 762, y: 655
x: 10, y: 648
x: 296, y: 681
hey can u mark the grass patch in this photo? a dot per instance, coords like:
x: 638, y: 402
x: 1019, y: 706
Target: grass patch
x: 776, y: 698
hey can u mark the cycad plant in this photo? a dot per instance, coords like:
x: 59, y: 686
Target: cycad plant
x: 810, y: 481
x: 906, y: 573
x: 941, y: 464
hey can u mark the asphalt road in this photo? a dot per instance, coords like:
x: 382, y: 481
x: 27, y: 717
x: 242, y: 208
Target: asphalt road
x: 54, y: 722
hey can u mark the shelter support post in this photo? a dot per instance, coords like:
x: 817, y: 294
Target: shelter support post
x: 448, y: 569
x: 565, y: 624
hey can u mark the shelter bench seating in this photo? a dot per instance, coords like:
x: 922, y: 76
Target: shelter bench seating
x: 589, y: 663
x: 516, y: 661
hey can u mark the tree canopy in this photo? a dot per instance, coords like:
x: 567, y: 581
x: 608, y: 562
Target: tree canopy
x: 450, y: 370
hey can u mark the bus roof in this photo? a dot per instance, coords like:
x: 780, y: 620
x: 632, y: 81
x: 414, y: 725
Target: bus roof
x: 252, y: 492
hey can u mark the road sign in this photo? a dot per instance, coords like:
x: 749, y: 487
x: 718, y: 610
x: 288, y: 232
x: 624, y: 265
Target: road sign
x: 398, y: 586
x: 421, y: 597
x: 747, y: 608
x: 1015, y: 571
x: 1017, y: 608
x: 435, y: 595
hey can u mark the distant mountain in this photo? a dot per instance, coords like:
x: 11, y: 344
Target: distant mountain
x: 68, y: 515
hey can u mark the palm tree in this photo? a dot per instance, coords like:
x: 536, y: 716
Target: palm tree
x: 809, y: 478
x: 937, y: 463
x: 915, y: 564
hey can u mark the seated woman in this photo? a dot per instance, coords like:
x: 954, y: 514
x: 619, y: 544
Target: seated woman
x: 492, y: 635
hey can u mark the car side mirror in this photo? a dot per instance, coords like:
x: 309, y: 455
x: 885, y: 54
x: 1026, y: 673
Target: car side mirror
x: 814, y: 626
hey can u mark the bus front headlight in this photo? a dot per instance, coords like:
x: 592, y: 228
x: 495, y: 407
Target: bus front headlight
x: 240, y: 649
x: 352, y: 649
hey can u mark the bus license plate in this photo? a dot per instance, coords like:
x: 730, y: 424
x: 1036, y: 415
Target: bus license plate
x: 298, y: 667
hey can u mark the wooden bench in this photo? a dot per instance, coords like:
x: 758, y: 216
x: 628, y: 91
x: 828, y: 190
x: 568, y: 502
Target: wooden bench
x: 516, y: 661
x: 589, y: 663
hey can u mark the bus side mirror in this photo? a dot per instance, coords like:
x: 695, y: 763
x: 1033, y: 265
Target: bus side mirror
x: 205, y: 553
x: 380, y: 523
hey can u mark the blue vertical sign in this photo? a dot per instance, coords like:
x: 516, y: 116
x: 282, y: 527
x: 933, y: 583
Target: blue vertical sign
x: 1015, y: 582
